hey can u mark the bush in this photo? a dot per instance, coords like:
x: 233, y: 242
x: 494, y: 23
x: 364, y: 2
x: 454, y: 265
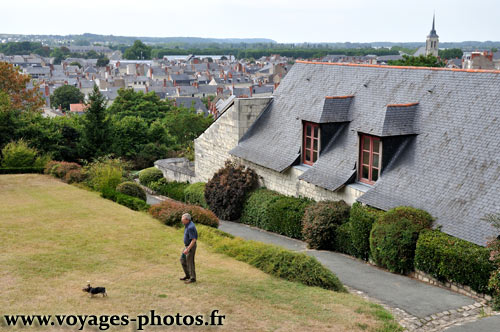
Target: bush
x: 450, y: 259
x: 170, y: 213
x: 394, y: 237
x: 105, y: 172
x: 172, y: 189
x: 225, y: 193
x: 75, y: 176
x: 321, y: 221
x: 133, y: 203
x: 131, y: 189
x: 18, y: 154
x: 494, y: 288
x: 21, y: 170
x: 343, y: 239
x: 68, y: 172
x: 361, y: 219
x: 292, y: 266
x: 195, y: 194
x: 149, y: 175
x: 274, y: 212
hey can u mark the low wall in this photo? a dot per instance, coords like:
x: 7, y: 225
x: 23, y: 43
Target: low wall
x: 177, y: 169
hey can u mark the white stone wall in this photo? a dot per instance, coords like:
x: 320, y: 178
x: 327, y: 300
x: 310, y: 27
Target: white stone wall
x: 213, y: 146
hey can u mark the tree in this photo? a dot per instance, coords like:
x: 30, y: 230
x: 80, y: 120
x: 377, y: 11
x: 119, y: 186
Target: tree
x: 418, y: 61
x: 58, y: 55
x: 65, y: 95
x: 96, y: 126
x: 102, y: 61
x: 76, y: 63
x: 147, y: 106
x: 451, y: 53
x: 13, y: 84
x: 138, y: 51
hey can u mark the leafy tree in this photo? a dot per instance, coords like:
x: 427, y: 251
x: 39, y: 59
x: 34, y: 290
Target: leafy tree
x: 102, y: 61
x: 13, y: 84
x: 147, y: 106
x: 418, y: 61
x: 96, y: 126
x: 92, y: 54
x: 76, y: 63
x: 451, y: 53
x: 65, y: 95
x: 138, y: 51
x: 185, y: 125
x: 58, y: 55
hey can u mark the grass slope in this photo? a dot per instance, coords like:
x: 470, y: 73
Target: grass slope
x: 55, y: 237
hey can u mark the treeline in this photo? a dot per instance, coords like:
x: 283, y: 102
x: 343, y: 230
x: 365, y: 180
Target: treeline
x: 24, y: 48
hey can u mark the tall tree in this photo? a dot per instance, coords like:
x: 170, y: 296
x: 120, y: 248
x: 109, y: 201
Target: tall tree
x: 65, y: 95
x: 418, y: 61
x: 138, y: 51
x: 96, y: 126
x: 13, y: 83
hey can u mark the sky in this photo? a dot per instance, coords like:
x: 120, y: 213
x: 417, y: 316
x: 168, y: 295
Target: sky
x: 284, y: 21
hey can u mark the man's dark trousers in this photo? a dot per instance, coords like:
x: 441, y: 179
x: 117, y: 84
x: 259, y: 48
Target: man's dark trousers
x: 187, y: 262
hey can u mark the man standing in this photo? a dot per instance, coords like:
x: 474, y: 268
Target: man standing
x: 187, y: 257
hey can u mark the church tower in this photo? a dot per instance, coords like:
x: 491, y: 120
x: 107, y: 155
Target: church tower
x: 432, y: 44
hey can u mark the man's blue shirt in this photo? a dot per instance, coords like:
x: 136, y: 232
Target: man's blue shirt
x: 190, y: 233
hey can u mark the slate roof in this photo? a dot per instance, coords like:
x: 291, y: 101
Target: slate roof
x: 334, y: 109
x: 448, y: 163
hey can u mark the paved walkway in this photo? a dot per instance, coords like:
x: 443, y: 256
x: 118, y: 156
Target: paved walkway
x: 488, y: 324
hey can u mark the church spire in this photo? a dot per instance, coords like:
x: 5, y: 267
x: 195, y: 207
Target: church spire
x: 433, y: 33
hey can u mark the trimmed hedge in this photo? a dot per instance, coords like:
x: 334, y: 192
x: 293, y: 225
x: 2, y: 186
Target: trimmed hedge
x: 281, y: 263
x: 321, y: 221
x: 149, y: 175
x: 274, y: 212
x: 133, y: 203
x: 394, y: 237
x: 170, y: 213
x: 226, y: 191
x: 195, y: 194
x: 21, y: 170
x: 343, y: 239
x: 132, y: 189
x: 451, y: 259
x: 172, y: 189
x: 361, y: 222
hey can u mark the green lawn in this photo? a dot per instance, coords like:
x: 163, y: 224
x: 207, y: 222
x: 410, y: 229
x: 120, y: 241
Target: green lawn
x: 54, y: 237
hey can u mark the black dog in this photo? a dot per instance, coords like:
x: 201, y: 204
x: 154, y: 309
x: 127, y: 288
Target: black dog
x: 95, y: 290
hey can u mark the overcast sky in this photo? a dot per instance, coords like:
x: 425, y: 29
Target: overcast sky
x: 281, y: 20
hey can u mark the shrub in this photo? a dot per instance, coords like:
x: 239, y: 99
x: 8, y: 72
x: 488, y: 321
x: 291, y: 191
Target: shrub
x: 225, y: 193
x: 343, y: 239
x: 361, y: 219
x: 133, y: 203
x: 450, y: 259
x: 68, y: 172
x: 273, y: 260
x: 274, y: 212
x: 131, y: 189
x: 105, y: 172
x: 63, y: 168
x: 494, y: 288
x: 394, y: 237
x: 18, y: 154
x: 321, y: 221
x: 195, y: 194
x: 149, y: 175
x: 75, y: 176
x: 21, y: 170
x: 172, y: 189
x: 170, y: 213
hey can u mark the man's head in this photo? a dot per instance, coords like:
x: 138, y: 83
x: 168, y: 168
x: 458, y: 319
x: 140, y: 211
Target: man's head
x: 186, y: 218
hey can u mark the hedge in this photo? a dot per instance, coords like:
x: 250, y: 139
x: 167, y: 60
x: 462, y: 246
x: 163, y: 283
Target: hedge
x: 132, y: 189
x: 343, y: 239
x: 276, y: 261
x: 451, y: 259
x: 361, y: 222
x: 195, y: 194
x: 21, y: 170
x: 133, y: 203
x: 394, y: 235
x: 274, y: 212
x: 320, y: 223
x: 170, y: 213
x: 172, y: 189
x: 148, y: 175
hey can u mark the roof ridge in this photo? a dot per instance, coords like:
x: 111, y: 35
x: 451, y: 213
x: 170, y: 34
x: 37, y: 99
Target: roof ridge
x: 492, y: 71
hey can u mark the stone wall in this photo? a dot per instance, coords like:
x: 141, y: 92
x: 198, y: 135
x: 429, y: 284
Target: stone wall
x: 177, y: 169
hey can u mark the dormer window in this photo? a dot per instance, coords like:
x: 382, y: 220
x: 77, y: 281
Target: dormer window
x: 370, y: 159
x: 310, y: 145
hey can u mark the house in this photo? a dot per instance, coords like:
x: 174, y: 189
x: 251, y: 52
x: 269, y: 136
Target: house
x: 385, y: 136
x: 77, y: 108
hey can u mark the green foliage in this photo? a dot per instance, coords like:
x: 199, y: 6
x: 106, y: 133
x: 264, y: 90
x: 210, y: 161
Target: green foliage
x: 394, y: 237
x: 225, y: 192
x: 195, y: 194
x: 344, y: 239
x: 96, y: 126
x: 147, y: 106
x: 131, y: 189
x: 361, y: 220
x: 102, y: 61
x: 418, y: 61
x: 149, y: 175
x: 451, y: 53
x: 133, y: 203
x: 65, y: 95
x: 170, y: 213
x: 20, y: 170
x: 172, y: 189
x: 321, y: 221
x: 105, y: 172
x: 451, y: 259
x: 494, y: 288
x: 281, y: 263
x: 19, y: 154
x: 274, y: 212
x: 138, y: 51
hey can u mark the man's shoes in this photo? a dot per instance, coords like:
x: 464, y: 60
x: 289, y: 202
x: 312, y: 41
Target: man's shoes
x: 190, y: 281
x: 184, y: 278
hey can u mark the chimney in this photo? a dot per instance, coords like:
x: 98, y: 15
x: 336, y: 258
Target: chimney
x: 276, y: 85
x: 260, y: 83
x: 147, y: 90
x: 80, y: 85
x: 179, y: 91
x: 47, y: 90
x: 250, y: 88
x: 164, y: 82
x: 220, y: 90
